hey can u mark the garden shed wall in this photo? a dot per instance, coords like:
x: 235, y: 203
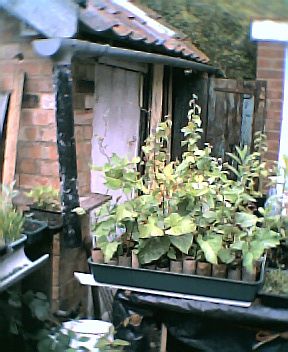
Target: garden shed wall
x: 37, y: 155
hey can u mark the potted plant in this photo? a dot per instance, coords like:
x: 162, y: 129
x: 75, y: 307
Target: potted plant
x: 14, y: 264
x: 46, y: 207
x: 11, y: 221
x: 197, y: 202
x: 275, y: 290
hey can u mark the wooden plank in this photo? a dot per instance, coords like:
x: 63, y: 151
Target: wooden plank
x: 127, y: 65
x: 260, y: 106
x: 235, y: 91
x: 4, y: 98
x: 217, y: 108
x: 13, y: 122
x: 247, y: 120
x: 170, y: 111
x: 163, y: 340
x: 157, y: 96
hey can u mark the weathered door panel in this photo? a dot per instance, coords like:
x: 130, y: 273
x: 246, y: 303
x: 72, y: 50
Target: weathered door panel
x: 236, y: 110
x: 116, y: 118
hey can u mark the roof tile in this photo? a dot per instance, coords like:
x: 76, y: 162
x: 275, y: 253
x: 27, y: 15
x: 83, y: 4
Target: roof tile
x: 127, y: 20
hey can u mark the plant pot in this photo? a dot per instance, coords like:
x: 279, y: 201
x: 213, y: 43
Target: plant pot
x: 163, y: 264
x: 97, y: 255
x: 177, y: 283
x: 53, y: 219
x: 35, y: 231
x: 163, y: 268
x: 203, y: 269
x: 219, y: 270
x: 249, y: 275
x: 125, y: 260
x: 113, y: 261
x: 15, y: 265
x: 234, y: 270
x: 150, y: 266
x: 135, y: 261
x: 176, y: 266
x: 3, y: 249
x: 189, y: 265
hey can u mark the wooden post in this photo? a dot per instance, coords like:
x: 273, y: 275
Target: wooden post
x: 157, y: 96
x: 163, y: 342
x: 13, y: 122
x: 67, y: 154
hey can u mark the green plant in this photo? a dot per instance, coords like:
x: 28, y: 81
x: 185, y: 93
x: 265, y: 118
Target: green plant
x: 276, y: 281
x: 179, y: 204
x: 45, y: 197
x: 11, y: 221
x: 26, y: 320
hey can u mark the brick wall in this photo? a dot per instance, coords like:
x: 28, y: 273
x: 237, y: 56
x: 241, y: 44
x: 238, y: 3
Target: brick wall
x: 270, y: 67
x: 37, y: 156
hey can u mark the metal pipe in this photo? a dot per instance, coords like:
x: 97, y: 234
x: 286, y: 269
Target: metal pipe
x: 63, y: 50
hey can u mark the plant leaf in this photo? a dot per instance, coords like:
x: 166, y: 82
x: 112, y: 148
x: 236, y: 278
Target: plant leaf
x: 183, y: 242
x: 246, y: 219
x: 151, y: 249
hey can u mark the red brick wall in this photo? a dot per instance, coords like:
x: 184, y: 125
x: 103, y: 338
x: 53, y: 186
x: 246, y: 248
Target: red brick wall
x: 37, y: 156
x: 270, y: 67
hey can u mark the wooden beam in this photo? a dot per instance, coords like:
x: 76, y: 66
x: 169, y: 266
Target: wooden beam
x: 163, y: 339
x: 13, y: 122
x: 157, y: 96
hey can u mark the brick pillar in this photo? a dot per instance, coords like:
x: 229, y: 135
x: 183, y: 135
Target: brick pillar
x: 270, y: 67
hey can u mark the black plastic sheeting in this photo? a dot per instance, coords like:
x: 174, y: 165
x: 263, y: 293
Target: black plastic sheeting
x: 197, y: 326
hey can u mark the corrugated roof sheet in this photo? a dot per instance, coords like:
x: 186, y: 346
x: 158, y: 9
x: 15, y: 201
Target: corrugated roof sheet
x: 128, y: 21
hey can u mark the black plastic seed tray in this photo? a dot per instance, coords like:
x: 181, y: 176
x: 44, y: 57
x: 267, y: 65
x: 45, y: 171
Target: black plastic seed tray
x: 179, y: 283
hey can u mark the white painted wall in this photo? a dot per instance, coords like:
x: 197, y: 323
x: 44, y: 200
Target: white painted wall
x: 116, y: 118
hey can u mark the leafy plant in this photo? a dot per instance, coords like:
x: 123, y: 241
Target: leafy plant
x: 26, y: 318
x: 11, y: 221
x: 45, y: 197
x: 177, y: 204
x: 276, y: 281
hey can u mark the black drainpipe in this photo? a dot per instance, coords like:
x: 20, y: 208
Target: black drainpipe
x: 62, y: 80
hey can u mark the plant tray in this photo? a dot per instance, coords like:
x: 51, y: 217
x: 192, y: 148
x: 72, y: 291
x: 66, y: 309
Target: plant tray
x: 35, y: 230
x: 15, y: 265
x: 180, y: 283
x: 53, y: 219
x: 273, y: 300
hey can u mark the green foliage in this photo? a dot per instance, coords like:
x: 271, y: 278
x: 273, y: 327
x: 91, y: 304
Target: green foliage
x: 25, y: 318
x: 276, y: 282
x: 39, y: 331
x: 177, y: 205
x: 11, y: 221
x: 220, y: 28
x: 45, y: 197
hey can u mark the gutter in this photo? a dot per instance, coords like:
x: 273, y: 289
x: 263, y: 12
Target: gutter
x: 62, y: 50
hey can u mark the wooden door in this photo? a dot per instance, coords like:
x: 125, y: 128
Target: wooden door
x: 116, y: 118
x: 232, y: 111
x: 236, y: 110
